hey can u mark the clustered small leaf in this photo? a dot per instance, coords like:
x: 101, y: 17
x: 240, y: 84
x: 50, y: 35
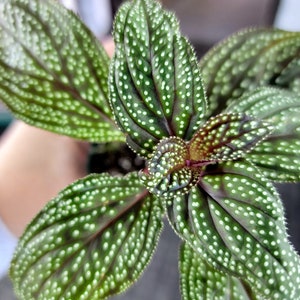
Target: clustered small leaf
x: 167, y: 173
x: 212, y: 150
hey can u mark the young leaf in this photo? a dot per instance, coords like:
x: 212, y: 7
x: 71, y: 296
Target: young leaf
x: 198, y: 280
x: 171, y: 153
x: 156, y: 88
x: 53, y: 72
x: 249, y: 59
x: 175, y: 165
x: 278, y: 156
x: 234, y: 219
x: 227, y: 137
x: 90, y: 242
x: 166, y: 174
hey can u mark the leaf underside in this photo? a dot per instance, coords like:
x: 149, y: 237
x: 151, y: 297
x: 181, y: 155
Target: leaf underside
x: 90, y: 242
x: 200, y: 281
x: 233, y: 218
x: 248, y: 59
x: 278, y: 156
x: 53, y: 72
x: 155, y: 84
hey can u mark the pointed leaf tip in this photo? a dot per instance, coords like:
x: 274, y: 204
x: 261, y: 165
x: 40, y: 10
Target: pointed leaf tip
x: 155, y: 82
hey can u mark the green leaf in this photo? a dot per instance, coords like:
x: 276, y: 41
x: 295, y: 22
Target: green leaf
x: 234, y: 219
x: 53, y: 72
x: 198, y: 280
x: 90, y: 242
x: 278, y: 156
x: 249, y: 59
x: 156, y: 89
x: 227, y: 137
x: 171, y: 153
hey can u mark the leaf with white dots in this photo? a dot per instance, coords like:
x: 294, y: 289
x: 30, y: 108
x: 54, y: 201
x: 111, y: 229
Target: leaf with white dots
x: 278, y: 156
x: 53, y: 72
x: 199, y: 280
x: 248, y: 59
x: 90, y: 242
x: 166, y: 174
x: 155, y: 83
x: 227, y: 137
x: 234, y: 219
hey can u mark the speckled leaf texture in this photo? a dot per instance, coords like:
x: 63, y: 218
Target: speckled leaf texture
x: 208, y: 169
x: 249, y: 59
x: 198, y: 280
x: 278, y: 156
x: 53, y: 72
x: 90, y: 242
x: 175, y: 165
x: 227, y: 136
x: 233, y: 218
x: 156, y: 88
x: 166, y: 172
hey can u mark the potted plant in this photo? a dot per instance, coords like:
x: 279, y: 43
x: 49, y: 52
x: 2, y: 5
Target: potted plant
x: 214, y: 136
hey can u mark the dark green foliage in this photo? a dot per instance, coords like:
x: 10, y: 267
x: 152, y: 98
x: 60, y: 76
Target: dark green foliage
x: 155, y: 84
x: 48, y: 76
x: 278, y: 156
x: 234, y: 219
x: 93, y: 240
x: 212, y: 150
x: 199, y: 278
x: 249, y: 59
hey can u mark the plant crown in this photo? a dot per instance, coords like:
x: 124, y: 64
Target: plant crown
x: 214, y: 134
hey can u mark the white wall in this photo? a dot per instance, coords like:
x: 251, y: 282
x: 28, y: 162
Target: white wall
x: 288, y: 15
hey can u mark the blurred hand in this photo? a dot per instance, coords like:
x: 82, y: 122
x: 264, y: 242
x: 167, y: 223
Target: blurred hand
x: 34, y: 166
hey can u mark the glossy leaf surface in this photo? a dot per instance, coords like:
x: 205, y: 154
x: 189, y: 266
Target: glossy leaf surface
x: 156, y: 88
x: 234, y: 219
x: 249, y: 59
x: 200, y: 281
x: 227, y: 137
x: 90, y: 242
x: 53, y: 72
x: 278, y: 156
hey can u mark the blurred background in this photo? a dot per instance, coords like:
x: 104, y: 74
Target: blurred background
x: 205, y: 22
